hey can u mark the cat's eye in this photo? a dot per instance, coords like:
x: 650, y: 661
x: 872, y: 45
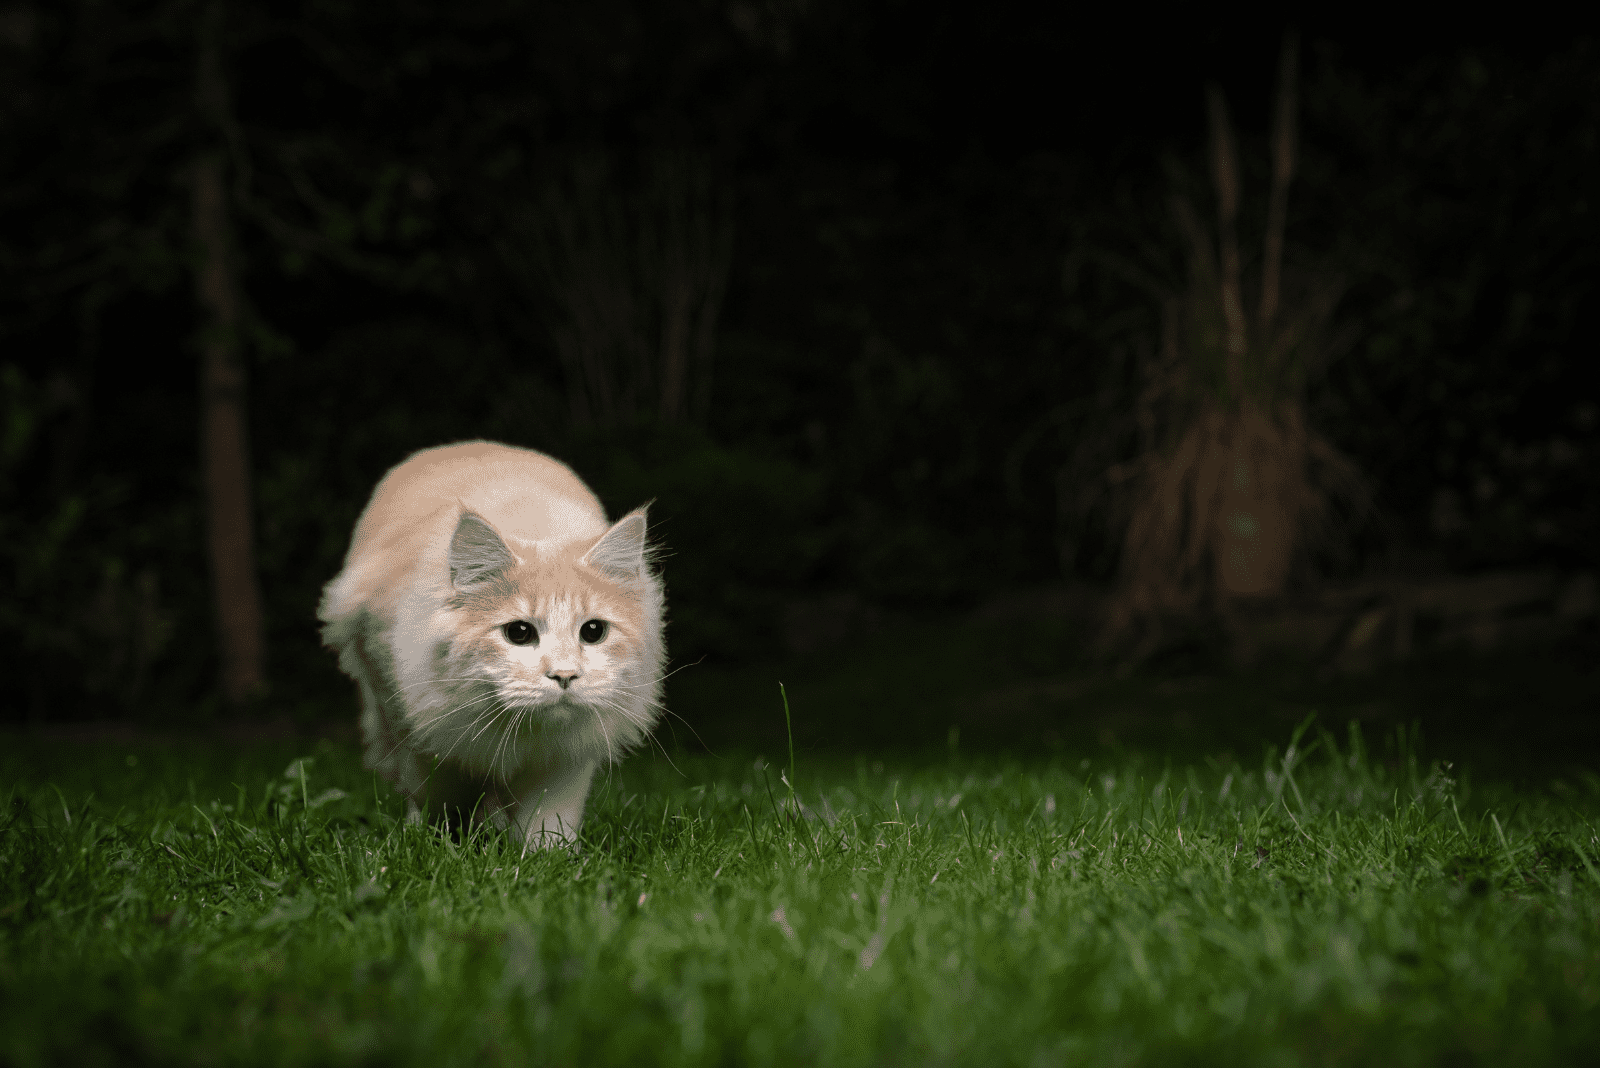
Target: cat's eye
x: 520, y: 632
x: 594, y: 631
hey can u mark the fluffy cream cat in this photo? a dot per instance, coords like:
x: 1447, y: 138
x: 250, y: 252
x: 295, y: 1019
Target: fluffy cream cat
x: 505, y: 638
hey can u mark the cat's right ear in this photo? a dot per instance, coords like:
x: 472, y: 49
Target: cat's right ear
x: 620, y: 553
x: 476, y: 552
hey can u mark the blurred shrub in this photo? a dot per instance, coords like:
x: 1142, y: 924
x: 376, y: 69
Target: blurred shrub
x: 1460, y: 195
x: 83, y: 619
x: 741, y: 531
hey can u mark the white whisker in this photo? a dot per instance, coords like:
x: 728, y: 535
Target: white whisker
x: 487, y: 716
x: 610, y: 757
x: 398, y: 690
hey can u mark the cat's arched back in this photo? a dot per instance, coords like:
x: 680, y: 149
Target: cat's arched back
x: 415, y: 506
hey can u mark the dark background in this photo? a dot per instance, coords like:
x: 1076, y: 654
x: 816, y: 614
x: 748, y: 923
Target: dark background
x: 904, y: 368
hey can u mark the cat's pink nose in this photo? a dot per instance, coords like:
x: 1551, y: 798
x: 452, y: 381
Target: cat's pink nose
x: 562, y: 678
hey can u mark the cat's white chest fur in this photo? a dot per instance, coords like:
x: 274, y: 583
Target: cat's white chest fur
x: 505, y: 638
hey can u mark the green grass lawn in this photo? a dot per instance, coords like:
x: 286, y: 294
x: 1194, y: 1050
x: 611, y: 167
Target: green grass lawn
x: 1330, y: 901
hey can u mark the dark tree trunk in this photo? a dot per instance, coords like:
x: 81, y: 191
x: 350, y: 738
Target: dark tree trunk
x: 224, y: 439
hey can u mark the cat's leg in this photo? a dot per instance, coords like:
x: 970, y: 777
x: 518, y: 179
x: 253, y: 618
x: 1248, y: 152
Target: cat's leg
x: 378, y: 737
x: 549, y: 807
x: 384, y: 748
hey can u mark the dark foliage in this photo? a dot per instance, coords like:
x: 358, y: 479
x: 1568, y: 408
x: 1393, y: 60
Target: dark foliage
x: 901, y: 385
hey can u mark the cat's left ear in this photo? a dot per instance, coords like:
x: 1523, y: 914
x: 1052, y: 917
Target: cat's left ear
x: 620, y: 552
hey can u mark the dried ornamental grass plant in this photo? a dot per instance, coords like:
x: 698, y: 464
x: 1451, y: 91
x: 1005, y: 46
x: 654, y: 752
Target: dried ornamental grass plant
x: 1231, y: 484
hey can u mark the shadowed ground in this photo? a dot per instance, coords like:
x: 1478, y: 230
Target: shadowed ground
x: 1526, y: 711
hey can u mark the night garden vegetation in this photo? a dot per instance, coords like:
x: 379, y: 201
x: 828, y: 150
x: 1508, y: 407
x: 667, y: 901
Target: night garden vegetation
x: 764, y: 264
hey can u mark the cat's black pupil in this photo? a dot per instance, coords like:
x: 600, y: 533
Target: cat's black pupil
x: 593, y: 631
x: 520, y: 633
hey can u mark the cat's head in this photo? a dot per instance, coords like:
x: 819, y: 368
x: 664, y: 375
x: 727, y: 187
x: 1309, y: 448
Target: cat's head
x: 566, y: 633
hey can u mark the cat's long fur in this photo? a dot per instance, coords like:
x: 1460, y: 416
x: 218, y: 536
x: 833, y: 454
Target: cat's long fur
x: 456, y: 543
